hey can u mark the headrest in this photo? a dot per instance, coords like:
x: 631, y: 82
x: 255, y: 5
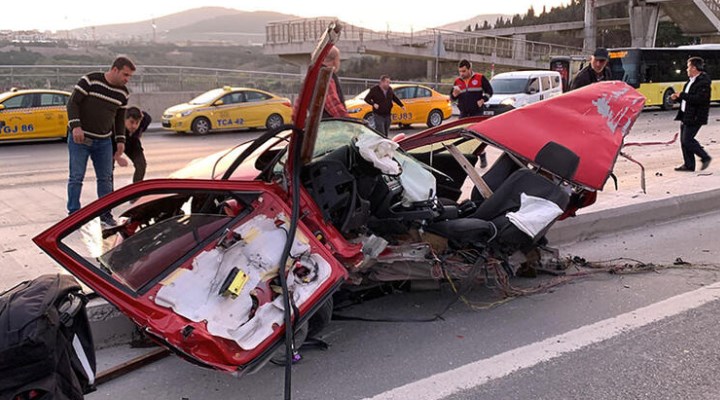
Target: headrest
x: 558, y: 159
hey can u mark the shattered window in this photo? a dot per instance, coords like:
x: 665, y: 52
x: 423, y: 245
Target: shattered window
x: 138, y: 241
x: 335, y: 134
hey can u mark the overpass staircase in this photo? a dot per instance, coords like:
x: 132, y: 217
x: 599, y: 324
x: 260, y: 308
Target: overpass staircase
x: 693, y: 17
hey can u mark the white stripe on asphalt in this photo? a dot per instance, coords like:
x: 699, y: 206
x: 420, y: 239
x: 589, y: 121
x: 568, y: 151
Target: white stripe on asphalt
x: 482, y: 371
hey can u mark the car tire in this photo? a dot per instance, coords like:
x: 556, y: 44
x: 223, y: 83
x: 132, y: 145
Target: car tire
x: 274, y: 121
x: 369, y: 119
x: 667, y: 103
x: 435, y: 118
x: 200, y: 126
x: 301, y: 333
x: 321, y: 319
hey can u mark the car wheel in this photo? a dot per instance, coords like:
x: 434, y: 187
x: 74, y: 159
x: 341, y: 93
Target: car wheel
x: 201, y: 126
x: 274, y: 121
x: 321, y: 318
x: 301, y: 333
x: 435, y: 118
x: 369, y: 120
x: 667, y: 102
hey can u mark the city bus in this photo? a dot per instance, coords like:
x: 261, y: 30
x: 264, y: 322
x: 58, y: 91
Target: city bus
x: 657, y: 73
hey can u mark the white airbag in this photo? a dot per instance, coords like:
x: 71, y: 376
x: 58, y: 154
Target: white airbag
x: 534, y: 215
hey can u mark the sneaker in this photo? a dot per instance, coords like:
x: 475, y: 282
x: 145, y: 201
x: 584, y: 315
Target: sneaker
x: 483, y: 160
x: 705, y: 164
x: 684, y: 168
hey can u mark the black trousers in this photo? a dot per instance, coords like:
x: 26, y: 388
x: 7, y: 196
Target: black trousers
x: 382, y: 123
x: 134, y: 151
x: 690, y: 146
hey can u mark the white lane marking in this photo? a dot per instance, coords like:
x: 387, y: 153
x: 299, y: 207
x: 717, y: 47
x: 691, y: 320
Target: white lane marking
x: 482, y: 371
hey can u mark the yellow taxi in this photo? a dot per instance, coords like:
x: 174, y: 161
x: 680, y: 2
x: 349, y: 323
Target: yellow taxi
x: 228, y: 108
x: 33, y: 114
x: 422, y: 106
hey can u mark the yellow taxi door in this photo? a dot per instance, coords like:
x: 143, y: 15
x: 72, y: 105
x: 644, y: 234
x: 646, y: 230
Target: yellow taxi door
x: 51, y: 115
x: 17, y: 118
x: 227, y: 115
x: 256, y: 108
x: 423, y: 105
x: 407, y: 96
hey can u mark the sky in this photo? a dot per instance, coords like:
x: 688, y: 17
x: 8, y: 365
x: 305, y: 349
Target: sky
x: 374, y: 14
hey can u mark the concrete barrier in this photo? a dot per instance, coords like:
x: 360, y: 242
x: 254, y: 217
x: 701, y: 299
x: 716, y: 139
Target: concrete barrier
x: 588, y: 226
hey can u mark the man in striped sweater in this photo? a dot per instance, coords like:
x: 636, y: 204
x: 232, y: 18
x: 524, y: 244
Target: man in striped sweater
x: 96, y: 114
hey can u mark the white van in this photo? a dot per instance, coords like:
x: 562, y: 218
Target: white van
x: 520, y: 88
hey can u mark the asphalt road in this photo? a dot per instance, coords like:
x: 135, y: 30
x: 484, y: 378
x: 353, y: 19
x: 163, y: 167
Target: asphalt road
x: 580, y: 340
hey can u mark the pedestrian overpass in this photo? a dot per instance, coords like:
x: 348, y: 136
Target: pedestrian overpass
x: 294, y: 40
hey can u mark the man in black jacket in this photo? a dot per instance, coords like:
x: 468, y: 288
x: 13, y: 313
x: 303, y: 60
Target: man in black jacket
x: 694, y: 107
x: 136, y: 123
x: 381, y: 98
x: 595, y: 72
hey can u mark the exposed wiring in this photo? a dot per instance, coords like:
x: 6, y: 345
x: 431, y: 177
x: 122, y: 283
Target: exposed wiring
x: 287, y: 306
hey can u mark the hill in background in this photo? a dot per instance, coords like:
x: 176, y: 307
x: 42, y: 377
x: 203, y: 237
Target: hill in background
x: 216, y: 24
x: 478, y: 19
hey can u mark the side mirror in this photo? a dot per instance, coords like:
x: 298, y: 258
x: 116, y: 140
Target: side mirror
x: 2, y: 107
x: 218, y: 103
x: 531, y: 91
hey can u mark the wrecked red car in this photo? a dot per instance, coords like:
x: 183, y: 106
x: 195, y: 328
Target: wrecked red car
x: 215, y: 263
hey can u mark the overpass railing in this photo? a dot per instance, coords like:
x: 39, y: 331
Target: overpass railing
x: 149, y: 79
x: 714, y: 6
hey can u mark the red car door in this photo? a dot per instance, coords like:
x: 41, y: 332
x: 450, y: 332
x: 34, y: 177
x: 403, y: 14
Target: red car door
x: 195, y: 264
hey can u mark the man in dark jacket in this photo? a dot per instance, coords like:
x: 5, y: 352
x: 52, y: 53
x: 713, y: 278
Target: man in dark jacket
x: 694, y: 107
x: 381, y: 98
x: 471, y: 90
x: 595, y: 72
x: 136, y: 123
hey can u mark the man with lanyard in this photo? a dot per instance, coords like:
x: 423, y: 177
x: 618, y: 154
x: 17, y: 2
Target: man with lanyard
x: 471, y: 90
x: 694, y: 109
x: 595, y: 72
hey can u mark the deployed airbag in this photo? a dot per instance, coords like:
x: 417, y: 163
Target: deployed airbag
x: 534, y: 215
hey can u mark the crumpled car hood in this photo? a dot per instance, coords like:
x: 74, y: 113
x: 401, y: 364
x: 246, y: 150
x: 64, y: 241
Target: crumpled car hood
x: 591, y: 121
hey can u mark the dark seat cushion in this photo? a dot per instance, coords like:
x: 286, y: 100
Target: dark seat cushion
x: 507, y: 197
x: 463, y: 231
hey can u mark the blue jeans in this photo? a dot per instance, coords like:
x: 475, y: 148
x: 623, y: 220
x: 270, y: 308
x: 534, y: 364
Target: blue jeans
x: 101, y: 153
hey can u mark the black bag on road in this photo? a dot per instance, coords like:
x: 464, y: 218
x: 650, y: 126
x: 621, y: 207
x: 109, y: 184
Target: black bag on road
x: 46, y: 348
